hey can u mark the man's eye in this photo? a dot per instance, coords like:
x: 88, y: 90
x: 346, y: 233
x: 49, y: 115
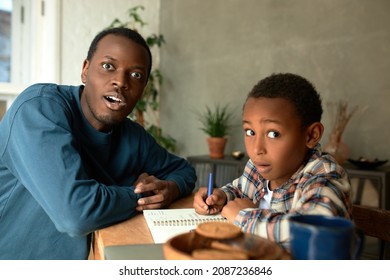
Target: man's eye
x: 107, y: 66
x: 136, y: 75
x: 273, y: 134
x: 249, y: 132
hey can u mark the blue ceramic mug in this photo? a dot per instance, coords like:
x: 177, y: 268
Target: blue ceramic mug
x: 318, y: 237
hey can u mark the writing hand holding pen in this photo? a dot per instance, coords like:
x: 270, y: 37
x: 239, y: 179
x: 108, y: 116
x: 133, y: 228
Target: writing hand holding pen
x: 209, y: 201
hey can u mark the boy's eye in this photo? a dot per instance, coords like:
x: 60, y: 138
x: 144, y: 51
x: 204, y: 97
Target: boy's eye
x: 136, y: 75
x: 273, y: 134
x: 108, y: 66
x: 249, y: 132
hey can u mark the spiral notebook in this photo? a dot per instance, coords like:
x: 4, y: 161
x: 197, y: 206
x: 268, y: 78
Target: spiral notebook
x: 166, y: 223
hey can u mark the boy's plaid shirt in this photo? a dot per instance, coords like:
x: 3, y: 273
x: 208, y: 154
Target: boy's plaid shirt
x: 320, y: 186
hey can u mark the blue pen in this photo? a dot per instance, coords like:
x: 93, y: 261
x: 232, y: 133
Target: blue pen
x: 210, y: 187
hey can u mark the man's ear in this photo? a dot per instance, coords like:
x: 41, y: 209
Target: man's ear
x: 84, y: 71
x: 314, y: 133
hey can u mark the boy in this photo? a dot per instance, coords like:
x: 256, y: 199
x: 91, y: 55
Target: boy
x: 287, y: 174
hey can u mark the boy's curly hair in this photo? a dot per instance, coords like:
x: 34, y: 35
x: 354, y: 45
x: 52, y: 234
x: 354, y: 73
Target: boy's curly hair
x: 296, y: 89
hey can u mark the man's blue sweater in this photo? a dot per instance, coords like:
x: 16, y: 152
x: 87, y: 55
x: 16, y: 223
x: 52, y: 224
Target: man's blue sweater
x: 60, y: 179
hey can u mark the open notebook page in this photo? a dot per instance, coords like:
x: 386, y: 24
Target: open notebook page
x: 166, y: 223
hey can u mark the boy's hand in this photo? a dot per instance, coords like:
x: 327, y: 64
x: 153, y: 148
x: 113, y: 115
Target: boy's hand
x: 233, y: 207
x: 216, y: 201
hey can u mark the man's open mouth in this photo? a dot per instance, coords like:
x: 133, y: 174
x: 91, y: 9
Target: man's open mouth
x: 113, y: 99
x: 115, y: 102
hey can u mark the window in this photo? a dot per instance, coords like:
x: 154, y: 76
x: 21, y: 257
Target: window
x: 29, y: 44
x: 35, y: 41
x: 5, y: 40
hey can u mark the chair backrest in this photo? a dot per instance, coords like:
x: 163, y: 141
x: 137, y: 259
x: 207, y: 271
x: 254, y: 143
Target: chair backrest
x: 374, y: 222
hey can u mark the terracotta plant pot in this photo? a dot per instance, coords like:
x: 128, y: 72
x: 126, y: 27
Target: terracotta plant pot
x: 216, y: 146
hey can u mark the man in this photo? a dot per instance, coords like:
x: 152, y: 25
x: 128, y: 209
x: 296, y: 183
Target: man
x: 71, y: 162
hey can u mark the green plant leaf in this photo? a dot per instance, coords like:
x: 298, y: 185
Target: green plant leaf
x: 133, y: 13
x: 216, y: 122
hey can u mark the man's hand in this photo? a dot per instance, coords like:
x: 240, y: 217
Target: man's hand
x: 156, y: 193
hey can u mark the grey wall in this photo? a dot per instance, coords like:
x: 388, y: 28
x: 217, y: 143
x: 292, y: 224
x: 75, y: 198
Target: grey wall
x: 217, y: 50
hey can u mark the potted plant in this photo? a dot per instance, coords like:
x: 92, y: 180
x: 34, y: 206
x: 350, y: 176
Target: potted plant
x: 216, y: 123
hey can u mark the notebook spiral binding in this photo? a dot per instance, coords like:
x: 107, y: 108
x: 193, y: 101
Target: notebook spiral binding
x: 185, y: 222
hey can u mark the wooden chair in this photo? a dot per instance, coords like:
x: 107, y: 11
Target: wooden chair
x: 374, y: 222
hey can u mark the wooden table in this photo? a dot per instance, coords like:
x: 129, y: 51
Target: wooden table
x: 132, y: 231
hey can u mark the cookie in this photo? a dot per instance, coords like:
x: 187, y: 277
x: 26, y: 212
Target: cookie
x: 218, y: 230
